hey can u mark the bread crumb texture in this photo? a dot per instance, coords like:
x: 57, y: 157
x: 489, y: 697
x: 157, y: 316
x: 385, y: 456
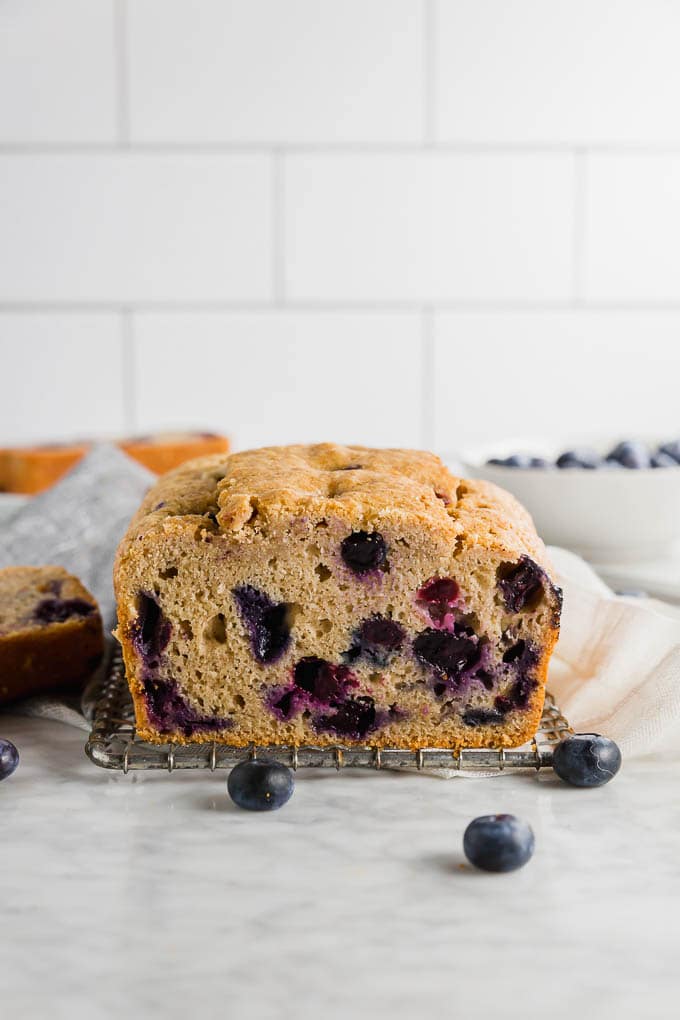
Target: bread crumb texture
x: 324, y: 595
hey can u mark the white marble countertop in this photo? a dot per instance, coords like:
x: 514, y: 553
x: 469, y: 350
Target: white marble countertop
x: 153, y: 896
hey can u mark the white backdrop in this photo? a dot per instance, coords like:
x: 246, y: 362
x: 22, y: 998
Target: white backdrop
x: 392, y: 221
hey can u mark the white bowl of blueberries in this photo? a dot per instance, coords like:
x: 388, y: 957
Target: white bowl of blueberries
x: 610, y: 500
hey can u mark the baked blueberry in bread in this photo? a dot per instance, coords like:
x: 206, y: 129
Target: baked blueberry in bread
x: 327, y: 594
x: 50, y: 631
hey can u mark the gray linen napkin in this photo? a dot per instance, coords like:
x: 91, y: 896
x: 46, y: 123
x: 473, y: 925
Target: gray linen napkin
x: 77, y: 524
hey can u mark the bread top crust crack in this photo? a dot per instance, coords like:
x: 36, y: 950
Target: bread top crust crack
x: 246, y: 492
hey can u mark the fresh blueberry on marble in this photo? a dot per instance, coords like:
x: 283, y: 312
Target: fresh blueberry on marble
x: 260, y: 785
x: 631, y: 454
x: 364, y: 551
x: 498, y: 843
x: 375, y: 640
x: 9, y: 758
x: 521, y: 584
x: 586, y: 759
x: 266, y: 622
x: 583, y: 458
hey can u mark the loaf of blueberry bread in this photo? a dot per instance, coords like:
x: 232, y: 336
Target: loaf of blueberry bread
x: 51, y: 633
x: 327, y: 595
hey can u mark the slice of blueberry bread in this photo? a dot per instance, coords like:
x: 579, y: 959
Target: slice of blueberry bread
x: 50, y: 631
x: 327, y: 594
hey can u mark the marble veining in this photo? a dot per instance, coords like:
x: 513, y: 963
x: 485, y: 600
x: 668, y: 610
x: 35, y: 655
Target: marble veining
x: 153, y: 896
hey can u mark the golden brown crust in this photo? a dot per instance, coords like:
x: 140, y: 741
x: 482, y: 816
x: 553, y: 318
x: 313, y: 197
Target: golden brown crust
x: 261, y: 485
x: 39, y: 656
x: 236, y: 503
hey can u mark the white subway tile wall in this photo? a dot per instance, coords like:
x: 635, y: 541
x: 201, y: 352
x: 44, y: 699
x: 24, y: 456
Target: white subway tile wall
x: 414, y: 222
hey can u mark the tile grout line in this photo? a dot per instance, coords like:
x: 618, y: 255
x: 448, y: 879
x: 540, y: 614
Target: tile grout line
x: 427, y: 377
x: 349, y: 307
x: 120, y: 37
x: 579, y: 227
x: 491, y: 307
x: 329, y: 148
x: 278, y: 229
x: 128, y: 370
x: 429, y: 74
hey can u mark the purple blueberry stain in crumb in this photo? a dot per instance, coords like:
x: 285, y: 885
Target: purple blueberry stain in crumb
x: 452, y: 655
x: 159, y: 506
x: 437, y: 598
x: 169, y: 711
x: 522, y: 654
x: 150, y: 631
x: 376, y: 639
x: 364, y: 551
x: 315, y: 683
x: 482, y: 716
x: 56, y: 610
x: 522, y: 584
x: 446, y: 500
x: 285, y: 702
x: 266, y: 622
x: 353, y: 718
x: 323, y: 681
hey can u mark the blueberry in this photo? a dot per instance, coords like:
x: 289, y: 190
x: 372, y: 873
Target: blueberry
x: 266, y: 622
x: 260, y: 785
x: 586, y: 759
x: 671, y: 449
x: 482, y: 716
x: 515, y: 460
x: 9, y: 758
x: 662, y: 460
x: 438, y: 597
x: 631, y: 454
x: 375, y: 640
x: 363, y: 551
x: 449, y: 653
x: 519, y: 460
x: 58, y: 610
x: 322, y: 680
x: 583, y: 458
x: 498, y: 842
x: 150, y: 630
x: 521, y: 584
x: 354, y: 718
x: 169, y: 710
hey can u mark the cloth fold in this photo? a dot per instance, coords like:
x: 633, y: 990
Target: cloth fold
x: 616, y: 669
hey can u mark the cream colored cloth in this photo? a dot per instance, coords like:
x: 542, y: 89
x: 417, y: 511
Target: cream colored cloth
x: 616, y: 669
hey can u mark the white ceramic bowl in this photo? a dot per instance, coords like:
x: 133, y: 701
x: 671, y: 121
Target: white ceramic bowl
x: 608, y: 516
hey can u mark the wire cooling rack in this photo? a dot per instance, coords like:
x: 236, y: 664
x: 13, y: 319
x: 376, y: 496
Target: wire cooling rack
x: 113, y: 744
